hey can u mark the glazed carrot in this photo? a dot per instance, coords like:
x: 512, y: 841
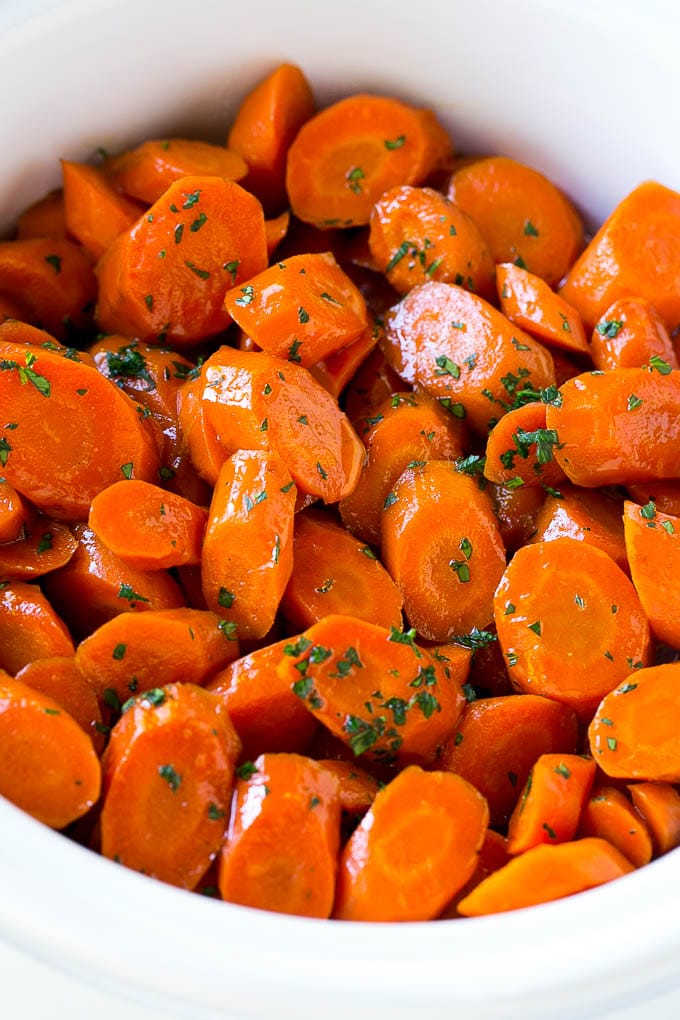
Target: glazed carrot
x: 168, y: 772
x: 546, y: 873
x: 664, y: 494
x: 374, y: 688
x: 498, y: 740
x: 406, y: 431
x: 570, y: 623
x: 653, y: 552
x: 150, y: 375
x: 281, y: 849
x: 53, y: 448
x: 456, y: 346
x: 446, y: 564
x: 519, y: 450
x: 48, y: 766
x: 631, y: 334
x: 517, y: 511
x: 302, y: 309
x: 147, y: 527
x: 333, y: 573
x: 608, y: 427
x: 633, y: 254
x: 523, y: 217
x: 29, y: 627
x: 371, y: 385
x: 266, y: 123
x: 609, y: 814
x: 95, y: 585
x: 247, y: 554
x: 529, y: 302
x: 550, y: 805
x: 634, y: 734
x: 416, y: 847
x: 659, y: 806
x: 198, y: 438
x: 266, y: 714
x: 12, y: 513
x: 44, y: 546
x: 586, y: 515
x: 60, y: 679
x: 349, y: 154
x: 44, y: 218
x: 337, y: 370
x: 275, y: 231
x: 418, y: 235
x: 136, y: 652
x: 166, y: 277
x: 148, y: 171
x: 94, y: 211
x: 358, y: 788
x: 52, y: 279
x: 19, y: 332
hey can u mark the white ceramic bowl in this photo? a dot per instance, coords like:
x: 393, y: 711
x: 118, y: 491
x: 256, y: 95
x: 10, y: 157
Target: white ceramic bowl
x: 585, y: 92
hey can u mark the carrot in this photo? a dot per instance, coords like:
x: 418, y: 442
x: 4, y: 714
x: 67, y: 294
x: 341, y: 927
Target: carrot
x: 633, y: 254
x: 550, y: 805
x: 19, y: 332
x: 266, y: 714
x: 265, y: 125
x: 570, y: 623
x: 147, y: 527
x: 95, y: 213
x: 44, y: 218
x: 488, y: 675
x: 416, y: 847
x: 52, y: 279
x: 358, y: 788
x: 446, y: 566
x: 338, y: 369
x: 585, y: 515
x: 60, y: 679
x: 631, y: 334
x: 150, y: 375
x: 282, y: 845
x: 167, y: 276
x: 529, y: 302
x: 546, y: 873
x: 519, y: 450
x: 634, y: 732
x: 48, y: 766
x: 498, y: 740
x: 517, y: 511
x: 197, y: 436
x: 609, y: 814
x: 12, y: 513
x: 418, y: 235
x: 148, y: 171
x: 348, y: 155
x: 275, y: 231
x: 29, y: 627
x: 456, y: 346
x: 523, y: 217
x: 653, y: 552
x: 664, y: 494
x: 53, y: 448
x: 493, y: 855
x: 335, y: 574
x: 168, y: 772
x: 659, y: 806
x: 608, y: 426
x: 370, y: 386
x: 136, y: 652
x: 44, y: 546
x: 95, y: 585
x: 247, y: 554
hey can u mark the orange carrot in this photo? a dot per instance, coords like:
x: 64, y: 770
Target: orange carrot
x: 12, y: 513
x: 659, y: 806
x: 337, y: 370
x: 275, y: 231
x: 631, y: 334
x: 664, y: 494
x: 60, y: 679
x: 358, y: 788
x: 550, y: 805
x: 528, y: 301
x: 198, y: 438
x: 44, y: 546
x: 586, y: 515
x: 517, y: 511
x: 19, y: 332
x: 654, y: 555
x: 610, y: 815
x: 493, y: 855
x: 519, y: 450
x: 371, y: 385
x: 148, y: 171
x: 44, y: 218
x: 95, y: 213
x: 29, y: 627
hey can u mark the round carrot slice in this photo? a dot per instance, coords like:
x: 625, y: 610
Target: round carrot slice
x: 653, y: 548
x: 148, y: 171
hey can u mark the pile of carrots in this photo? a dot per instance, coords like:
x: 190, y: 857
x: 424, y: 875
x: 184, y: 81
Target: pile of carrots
x: 340, y: 517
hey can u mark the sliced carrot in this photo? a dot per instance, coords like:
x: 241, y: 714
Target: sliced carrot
x: 374, y: 688
x: 370, y: 386
x: 198, y: 437
x: 167, y: 781
x: 529, y: 302
x: 550, y: 805
x: 275, y: 231
x: 148, y: 171
x: 610, y: 815
x: 282, y: 845
x: 94, y: 211
x: 653, y: 549
x: 29, y: 627
x: 631, y: 334
x: 447, y: 566
x: 358, y: 788
x: 664, y: 494
x: 519, y: 450
x: 20, y: 332
x: 44, y: 545
x: 418, y: 235
x: 586, y: 515
x: 546, y: 873
x: 522, y: 215
x: 48, y: 766
x: 266, y: 123
x: 44, y: 218
x: 167, y: 276
x: 416, y: 847
x: 517, y: 511
x: 337, y: 370
x: 59, y: 678
x: 457, y: 346
x: 12, y: 513
x: 659, y: 806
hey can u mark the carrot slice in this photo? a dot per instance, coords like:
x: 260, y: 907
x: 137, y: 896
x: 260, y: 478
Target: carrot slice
x: 44, y: 546
x: 664, y: 494
x: 550, y: 805
x: 95, y: 213
x: 529, y: 302
x: 20, y: 332
x: 610, y: 815
x: 168, y: 772
x: 586, y: 515
x: 415, y: 848
x: 338, y: 369
x: 358, y: 788
x: 148, y: 171
x: 659, y: 806
x: 302, y: 309
x: 29, y: 627
x: 446, y: 567
x: 60, y: 679
x: 48, y: 766
x: 456, y: 346
x: 517, y: 511
x: 654, y: 555
x: 546, y: 873
x: 281, y: 851
x: 12, y: 513
x: 198, y: 437
x: 370, y: 386
x: 519, y: 450
x: 167, y: 276
x: 44, y: 218
x: 631, y: 334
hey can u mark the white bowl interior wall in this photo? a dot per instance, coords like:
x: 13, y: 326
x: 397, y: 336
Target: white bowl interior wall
x: 583, y: 92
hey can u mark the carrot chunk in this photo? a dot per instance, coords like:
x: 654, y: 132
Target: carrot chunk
x: 659, y: 806
x: 610, y: 815
x: 95, y: 213
x: 148, y: 171
x: 653, y: 549
x: 630, y: 334
x: 528, y: 301
x: 550, y: 805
